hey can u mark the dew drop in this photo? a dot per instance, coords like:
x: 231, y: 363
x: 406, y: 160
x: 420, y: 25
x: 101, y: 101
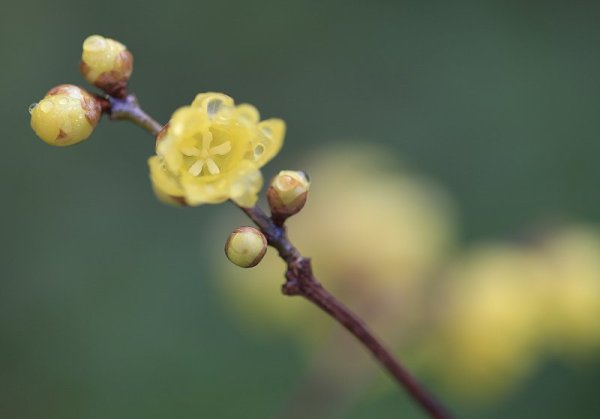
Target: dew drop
x: 94, y: 43
x: 258, y: 150
x: 32, y: 107
x: 46, y: 106
x: 213, y: 107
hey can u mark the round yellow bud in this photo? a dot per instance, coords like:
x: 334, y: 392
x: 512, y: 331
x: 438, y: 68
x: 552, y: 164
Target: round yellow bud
x: 106, y: 64
x: 67, y: 115
x: 287, y: 194
x: 246, y: 247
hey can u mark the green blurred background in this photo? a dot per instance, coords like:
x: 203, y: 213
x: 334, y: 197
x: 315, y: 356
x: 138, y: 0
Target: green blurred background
x: 108, y: 307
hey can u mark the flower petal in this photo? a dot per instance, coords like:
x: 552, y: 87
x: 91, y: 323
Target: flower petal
x: 269, y: 140
x: 198, y: 193
x: 212, y: 102
x: 244, y: 190
x: 248, y: 113
x: 165, y: 186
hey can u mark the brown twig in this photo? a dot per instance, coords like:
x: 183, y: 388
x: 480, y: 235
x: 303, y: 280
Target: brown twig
x: 299, y: 276
x: 300, y: 280
x: 128, y: 108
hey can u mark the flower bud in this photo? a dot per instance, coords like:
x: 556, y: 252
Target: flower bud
x: 67, y: 115
x: 246, y: 247
x: 287, y: 194
x: 107, y: 64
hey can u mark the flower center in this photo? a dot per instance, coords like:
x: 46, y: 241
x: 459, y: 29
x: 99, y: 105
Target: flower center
x: 203, y: 154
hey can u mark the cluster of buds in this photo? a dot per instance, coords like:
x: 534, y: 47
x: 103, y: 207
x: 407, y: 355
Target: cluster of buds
x: 246, y: 246
x: 209, y: 152
x: 69, y: 114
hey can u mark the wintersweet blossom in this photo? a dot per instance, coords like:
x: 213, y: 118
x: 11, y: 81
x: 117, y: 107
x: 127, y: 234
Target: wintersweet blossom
x: 212, y: 151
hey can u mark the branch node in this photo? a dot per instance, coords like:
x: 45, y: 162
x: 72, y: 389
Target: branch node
x: 291, y: 286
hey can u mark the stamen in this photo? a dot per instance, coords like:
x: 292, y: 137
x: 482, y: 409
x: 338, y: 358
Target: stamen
x: 196, y: 168
x: 190, y: 151
x: 212, y: 167
x: 206, y: 139
x: 221, y: 149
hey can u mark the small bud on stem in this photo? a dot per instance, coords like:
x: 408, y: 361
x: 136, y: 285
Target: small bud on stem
x: 287, y: 194
x: 245, y: 247
x: 107, y: 64
x: 67, y: 115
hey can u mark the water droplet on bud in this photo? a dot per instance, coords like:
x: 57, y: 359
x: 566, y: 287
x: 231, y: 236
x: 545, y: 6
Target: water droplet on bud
x: 46, y: 106
x: 258, y: 150
x: 94, y: 43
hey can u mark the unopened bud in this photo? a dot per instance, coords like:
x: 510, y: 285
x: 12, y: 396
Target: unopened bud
x: 287, y: 194
x: 67, y: 115
x: 107, y: 64
x: 245, y: 247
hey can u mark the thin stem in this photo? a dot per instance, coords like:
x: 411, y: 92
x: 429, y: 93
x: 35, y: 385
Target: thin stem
x: 299, y: 276
x: 301, y: 281
x: 128, y: 108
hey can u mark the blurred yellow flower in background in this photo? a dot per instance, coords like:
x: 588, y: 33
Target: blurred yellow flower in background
x: 376, y: 235
x: 572, y: 292
x: 212, y: 151
x: 506, y: 307
x: 476, y: 320
x: 374, y: 239
x: 489, y: 323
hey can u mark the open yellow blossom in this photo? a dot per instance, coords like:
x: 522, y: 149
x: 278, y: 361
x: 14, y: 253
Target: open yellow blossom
x: 212, y: 151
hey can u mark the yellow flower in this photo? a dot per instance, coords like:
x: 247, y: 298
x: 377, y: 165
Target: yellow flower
x: 572, y: 293
x: 489, y: 326
x: 212, y: 151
